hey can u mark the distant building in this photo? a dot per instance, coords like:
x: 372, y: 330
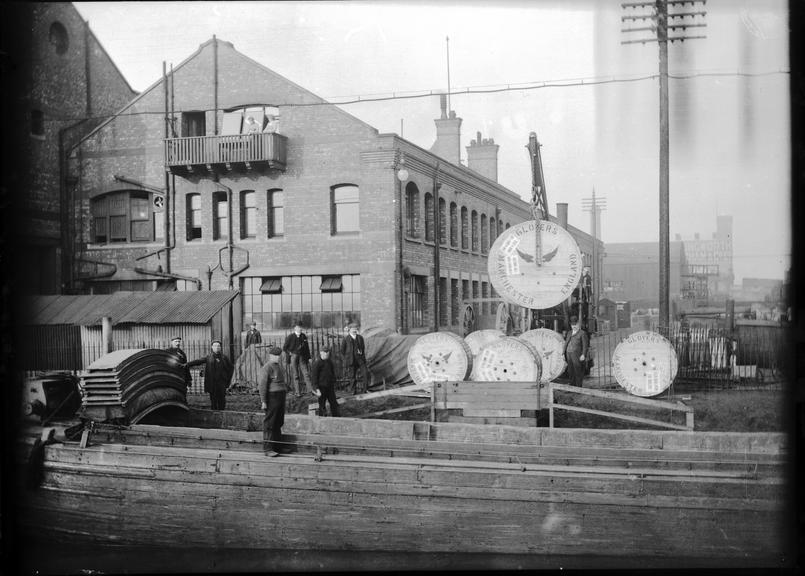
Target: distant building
x: 632, y: 273
x: 709, y: 275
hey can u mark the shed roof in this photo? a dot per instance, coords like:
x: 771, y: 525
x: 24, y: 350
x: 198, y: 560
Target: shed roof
x: 129, y: 308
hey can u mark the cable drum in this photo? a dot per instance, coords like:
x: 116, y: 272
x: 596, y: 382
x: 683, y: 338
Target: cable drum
x: 551, y: 347
x: 508, y: 359
x: 438, y: 357
x: 480, y: 338
x: 644, y: 363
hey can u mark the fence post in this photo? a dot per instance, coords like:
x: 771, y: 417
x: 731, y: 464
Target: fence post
x: 550, y: 404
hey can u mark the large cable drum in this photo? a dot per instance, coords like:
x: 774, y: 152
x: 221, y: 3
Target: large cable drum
x: 438, y: 357
x: 508, y: 359
x: 480, y: 338
x: 519, y: 279
x: 644, y: 363
x: 551, y: 347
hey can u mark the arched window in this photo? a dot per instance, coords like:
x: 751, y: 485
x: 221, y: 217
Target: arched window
x: 453, y: 225
x: 276, y: 213
x: 344, y: 209
x: 484, y: 237
x: 248, y: 214
x: 465, y: 231
x: 59, y: 38
x: 474, y: 228
x: 429, y: 217
x: 442, y: 222
x: 492, y: 230
x: 127, y: 216
x: 412, y: 210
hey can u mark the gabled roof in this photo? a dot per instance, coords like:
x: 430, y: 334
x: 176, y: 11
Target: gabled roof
x: 129, y: 308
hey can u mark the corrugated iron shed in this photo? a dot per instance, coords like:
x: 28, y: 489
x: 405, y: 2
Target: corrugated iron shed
x: 129, y: 308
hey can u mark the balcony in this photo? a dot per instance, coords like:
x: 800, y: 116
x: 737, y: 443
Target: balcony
x: 215, y: 154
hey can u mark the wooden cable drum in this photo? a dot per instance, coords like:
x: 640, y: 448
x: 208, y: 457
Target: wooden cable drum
x: 439, y: 356
x: 551, y: 347
x: 516, y: 273
x: 508, y: 359
x: 644, y: 363
x: 480, y: 338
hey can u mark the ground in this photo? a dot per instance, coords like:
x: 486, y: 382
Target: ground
x: 738, y: 409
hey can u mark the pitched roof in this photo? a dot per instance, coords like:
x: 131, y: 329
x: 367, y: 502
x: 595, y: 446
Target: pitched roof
x: 129, y: 308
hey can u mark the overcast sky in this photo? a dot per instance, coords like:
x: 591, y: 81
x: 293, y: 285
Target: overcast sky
x: 565, y: 75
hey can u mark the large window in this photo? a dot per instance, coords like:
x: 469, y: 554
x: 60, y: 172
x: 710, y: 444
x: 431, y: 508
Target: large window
x: 465, y: 232
x: 429, y: 217
x: 455, y: 300
x: 442, y: 222
x: 417, y: 286
x: 453, y: 225
x: 248, y: 214
x: 220, y: 216
x: 193, y: 216
x: 474, y: 231
x: 278, y: 302
x: 194, y: 124
x: 276, y: 213
x: 126, y: 216
x: 412, y: 210
x: 492, y: 234
x: 484, y: 237
x: 345, y: 209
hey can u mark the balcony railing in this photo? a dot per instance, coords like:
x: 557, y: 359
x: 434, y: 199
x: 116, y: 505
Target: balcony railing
x: 219, y: 152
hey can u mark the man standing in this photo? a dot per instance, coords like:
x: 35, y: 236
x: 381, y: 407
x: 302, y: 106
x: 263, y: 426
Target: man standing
x: 253, y: 336
x: 176, y: 350
x: 323, y: 379
x: 297, y: 353
x: 218, y: 371
x: 353, y: 351
x: 576, y: 347
x: 271, y: 384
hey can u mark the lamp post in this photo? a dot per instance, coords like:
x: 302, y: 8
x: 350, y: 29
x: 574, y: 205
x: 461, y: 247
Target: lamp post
x: 401, y: 175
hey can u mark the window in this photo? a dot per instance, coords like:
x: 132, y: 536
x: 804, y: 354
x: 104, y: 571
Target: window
x: 193, y: 203
x: 220, y: 216
x: 453, y: 225
x: 492, y: 234
x: 485, y: 306
x: 455, y: 299
x: 429, y: 217
x: 276, y: 213
x: 508, y: 225
x: 194, y: 124
x: 443, y: 302
x: 248, y: 214
x: 417, y: 286
x: 474, y: 228
x: 484, y: 245
x: 278, y: 302
x: 475, y: 295
x: 126, y: 216
x: 58, y: 37
x: 465, y: 225
x: 232, y: 123
x: 442, y: 222
x: 412, y: 210
x: 344, y: 209
x: 37, y: 123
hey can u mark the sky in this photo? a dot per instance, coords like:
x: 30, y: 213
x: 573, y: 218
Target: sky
x: 559, y: 69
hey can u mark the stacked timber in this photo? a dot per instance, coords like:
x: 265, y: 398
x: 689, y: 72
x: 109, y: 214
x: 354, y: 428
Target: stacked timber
x: 132, y: 384
x: 398, y: 487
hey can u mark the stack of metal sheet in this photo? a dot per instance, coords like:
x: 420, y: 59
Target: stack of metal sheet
x: 127, y: 385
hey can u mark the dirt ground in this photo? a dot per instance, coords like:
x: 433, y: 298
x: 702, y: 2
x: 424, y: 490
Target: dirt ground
x: 756, y: 409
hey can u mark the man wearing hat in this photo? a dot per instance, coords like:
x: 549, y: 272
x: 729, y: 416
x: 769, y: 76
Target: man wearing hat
x: 323, y: 380
x: 176, y: 350
x: 353, y: 351
x: 271, y: 384
x: 218, y: 371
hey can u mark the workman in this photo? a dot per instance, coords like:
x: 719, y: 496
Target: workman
x: 271, y: 384
x: 323, y: 378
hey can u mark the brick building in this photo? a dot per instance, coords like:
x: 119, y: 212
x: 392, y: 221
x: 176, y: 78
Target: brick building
x: 65, y: 84
x: 632, y: 273
x: 225, y: 175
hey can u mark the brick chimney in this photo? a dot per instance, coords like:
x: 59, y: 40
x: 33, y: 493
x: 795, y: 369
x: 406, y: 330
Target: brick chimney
x: 448, y: 134
x: 482, y: 156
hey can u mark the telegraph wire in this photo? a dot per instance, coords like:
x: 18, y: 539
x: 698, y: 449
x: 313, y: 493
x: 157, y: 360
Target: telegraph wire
x: 487, y: 89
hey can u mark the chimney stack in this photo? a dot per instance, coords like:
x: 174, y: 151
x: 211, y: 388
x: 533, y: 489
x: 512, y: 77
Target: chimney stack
x: 482, y: 157
x: 448, y: 134
x: 561, y: 214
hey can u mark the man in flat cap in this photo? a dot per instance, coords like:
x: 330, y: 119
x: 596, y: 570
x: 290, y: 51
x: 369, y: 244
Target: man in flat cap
x: 177, y: 352
x: 353, y: 351
x: 271, y: 384
x: 323, y: 379
x: 218, y: 371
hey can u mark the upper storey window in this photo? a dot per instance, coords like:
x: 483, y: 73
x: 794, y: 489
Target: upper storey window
x: 250, y: 120
x: 59, y: 38
x: 344, y: 209
x: 127, y: 216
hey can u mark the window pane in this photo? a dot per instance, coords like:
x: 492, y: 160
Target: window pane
x: 117, y: 226
x: 347, y: 218
x: 306, y: 288
x: 296, y: 284
x: 346, y: 194
x: 139, y: 208
x: 195, y: 201
x: 346, y: 282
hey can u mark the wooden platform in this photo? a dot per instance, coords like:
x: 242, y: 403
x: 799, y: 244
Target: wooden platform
x: 374, y: 485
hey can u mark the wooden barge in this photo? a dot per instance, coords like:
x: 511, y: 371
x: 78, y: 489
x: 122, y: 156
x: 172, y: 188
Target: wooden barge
x: 655, y: 497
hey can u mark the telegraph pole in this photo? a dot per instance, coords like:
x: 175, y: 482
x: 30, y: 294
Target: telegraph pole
x: 660, y: 22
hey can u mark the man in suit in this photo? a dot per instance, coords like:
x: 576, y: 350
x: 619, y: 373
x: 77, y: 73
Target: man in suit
x: 297, y: 356
x: 272, y: 388
x: 353, y: 351
x: 323, y: 378
x: 176, y: 350
x: 218, y: 371
x: 576, y: 348
x: 253, y: 336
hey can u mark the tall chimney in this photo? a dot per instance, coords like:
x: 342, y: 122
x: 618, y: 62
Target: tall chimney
x: 482, y: 156
x: 448, y: 134
x: 561, y: 214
